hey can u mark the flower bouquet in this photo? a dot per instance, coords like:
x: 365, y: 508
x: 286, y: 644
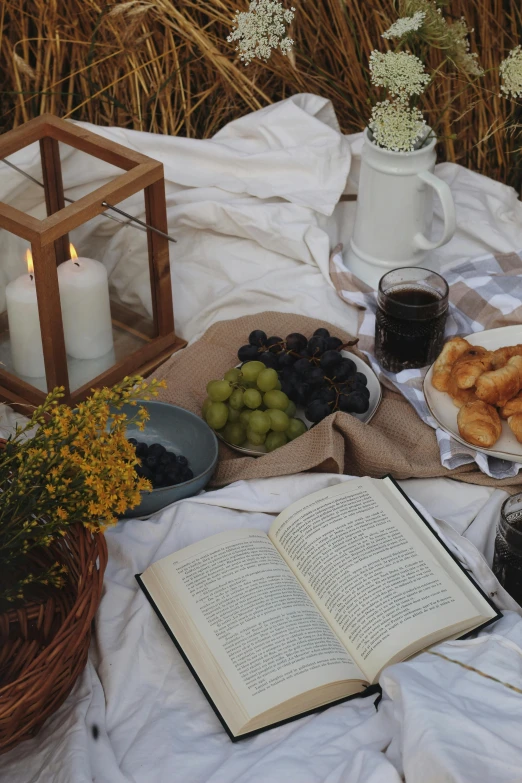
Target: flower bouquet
x: 64, y: 477
x: 397, y: 183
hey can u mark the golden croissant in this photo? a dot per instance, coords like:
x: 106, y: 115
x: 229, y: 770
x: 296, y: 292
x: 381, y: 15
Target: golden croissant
x: 460, y: 396
x: 470, y: 366
x: 512, y: 411
x: 502, y: 355
x: 453, y: 349
x: 512, y: 407
x: 515, y: 424
x: 498, y: 386
x: 479, y: 424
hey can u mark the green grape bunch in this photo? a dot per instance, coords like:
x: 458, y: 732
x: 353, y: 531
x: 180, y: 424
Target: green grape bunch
x: 248, y: 407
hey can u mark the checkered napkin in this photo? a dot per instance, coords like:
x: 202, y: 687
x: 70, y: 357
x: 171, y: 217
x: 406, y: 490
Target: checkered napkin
x: 485, y: 293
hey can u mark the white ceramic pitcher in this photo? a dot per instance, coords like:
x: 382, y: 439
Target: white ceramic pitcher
x: 395, y: 210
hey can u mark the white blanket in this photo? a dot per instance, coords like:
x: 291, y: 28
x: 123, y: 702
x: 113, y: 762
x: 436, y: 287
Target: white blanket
x: 254, y: 212
x: 154, y: 725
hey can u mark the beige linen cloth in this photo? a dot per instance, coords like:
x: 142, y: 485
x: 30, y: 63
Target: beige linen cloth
x: 396, y: 441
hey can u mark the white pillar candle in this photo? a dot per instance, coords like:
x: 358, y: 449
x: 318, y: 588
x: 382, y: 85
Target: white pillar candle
x: 24, y: 325
x: 86, y: 311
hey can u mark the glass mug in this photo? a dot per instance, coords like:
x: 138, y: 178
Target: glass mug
x: 412, y: 306
x: 507, y: 560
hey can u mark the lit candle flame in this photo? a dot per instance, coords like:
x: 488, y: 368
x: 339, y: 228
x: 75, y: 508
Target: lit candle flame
x: 72, y: 251
x: 29, y: 261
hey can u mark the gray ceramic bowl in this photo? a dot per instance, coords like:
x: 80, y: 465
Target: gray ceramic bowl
x: 183, y: 433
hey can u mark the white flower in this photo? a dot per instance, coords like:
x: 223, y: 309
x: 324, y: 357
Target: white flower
x: 400, y: 72
x: 261, y: 29
x: 405, y: 25
x: 458, y: 48
x: 511, y: 73
x: 396, y: 126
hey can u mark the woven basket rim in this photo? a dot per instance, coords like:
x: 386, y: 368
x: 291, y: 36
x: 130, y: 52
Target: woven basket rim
x: 49, y: 650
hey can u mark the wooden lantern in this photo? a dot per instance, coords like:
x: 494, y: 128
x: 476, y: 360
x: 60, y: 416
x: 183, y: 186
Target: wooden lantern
x: 146, y: 344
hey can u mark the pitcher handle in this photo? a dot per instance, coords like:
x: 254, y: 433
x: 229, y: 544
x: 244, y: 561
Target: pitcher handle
x: 448, y: 210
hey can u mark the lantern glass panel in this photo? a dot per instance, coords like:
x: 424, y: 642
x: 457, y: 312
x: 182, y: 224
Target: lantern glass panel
x: 127, y: 324
x: 21, y: 351
x: 83, y: 173
x: 106, y: 294
x: 20, y: 193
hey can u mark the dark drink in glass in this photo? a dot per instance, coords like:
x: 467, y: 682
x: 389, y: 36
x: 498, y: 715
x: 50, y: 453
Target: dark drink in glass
x: 507, y: 560
x: 412, y: 306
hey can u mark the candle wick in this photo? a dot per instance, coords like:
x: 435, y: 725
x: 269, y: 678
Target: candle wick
x: 31, y: 276
x: 76, y: 263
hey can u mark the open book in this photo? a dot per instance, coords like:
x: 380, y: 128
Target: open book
x: 348, y: 580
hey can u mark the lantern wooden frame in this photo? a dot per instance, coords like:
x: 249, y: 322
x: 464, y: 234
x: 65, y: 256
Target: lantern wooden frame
x: 50, y: 247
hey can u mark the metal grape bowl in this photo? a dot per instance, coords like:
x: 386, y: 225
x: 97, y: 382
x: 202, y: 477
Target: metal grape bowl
x: 317, y: 375
x: 181, y: 432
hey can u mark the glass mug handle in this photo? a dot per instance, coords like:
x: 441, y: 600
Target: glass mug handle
x: 448, y: 210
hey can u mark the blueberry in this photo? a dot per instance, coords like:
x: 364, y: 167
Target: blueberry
x: 159, y: 479
x: 144, y: 472
x: 142, y: 450
x: 157, y: 450
x: 182, y: 461
x: 151, y: 461
x: 172, y: 476
x: 187, y: 474
x: 164, y: 459
x: 133, y: 441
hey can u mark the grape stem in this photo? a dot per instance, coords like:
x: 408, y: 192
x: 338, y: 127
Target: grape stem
x: 349, y: 344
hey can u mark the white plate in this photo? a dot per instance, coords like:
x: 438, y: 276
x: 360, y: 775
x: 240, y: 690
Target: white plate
x: 374, y: 387
x: 445, y: 412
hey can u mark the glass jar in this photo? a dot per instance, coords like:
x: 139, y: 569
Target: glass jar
x: 410, y: 319
x: 507, y: 560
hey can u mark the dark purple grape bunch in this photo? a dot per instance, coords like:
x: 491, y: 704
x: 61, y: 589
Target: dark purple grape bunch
x: 161, y: 467
x: 313, y: 373
x: 261, y: 348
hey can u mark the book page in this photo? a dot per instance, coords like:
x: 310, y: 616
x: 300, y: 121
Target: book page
x: 424, y: 532
x: 265, y: 633
x: 374, y: 579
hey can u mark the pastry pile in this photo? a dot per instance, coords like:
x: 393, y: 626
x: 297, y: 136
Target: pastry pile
x: 485, y: 385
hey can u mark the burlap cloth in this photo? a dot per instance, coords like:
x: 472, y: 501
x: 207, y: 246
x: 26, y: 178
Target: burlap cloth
x: 396, y: 441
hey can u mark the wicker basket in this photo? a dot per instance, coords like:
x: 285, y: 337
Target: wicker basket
x: 44, y: 644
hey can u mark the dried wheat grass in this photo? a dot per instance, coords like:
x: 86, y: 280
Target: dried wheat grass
x: 166, y: 67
